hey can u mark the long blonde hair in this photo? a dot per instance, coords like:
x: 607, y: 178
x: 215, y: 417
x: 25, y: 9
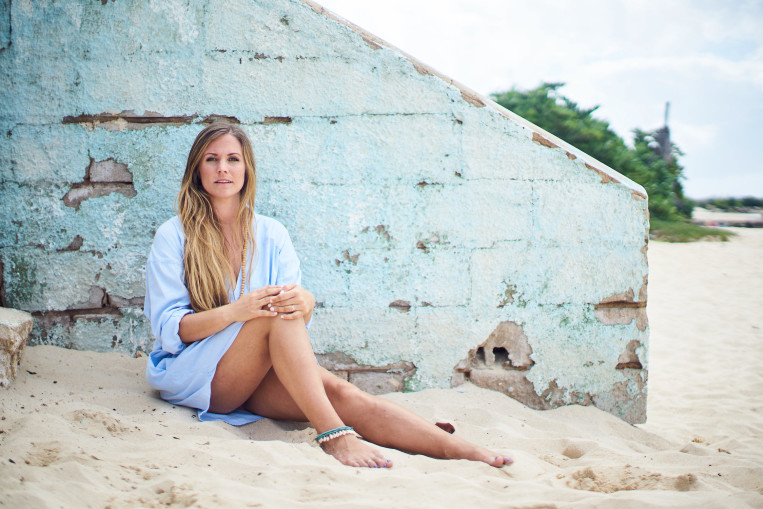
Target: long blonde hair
x: 207, y: 271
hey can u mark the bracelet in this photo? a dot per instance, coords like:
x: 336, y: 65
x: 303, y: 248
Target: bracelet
x: 334, y: 433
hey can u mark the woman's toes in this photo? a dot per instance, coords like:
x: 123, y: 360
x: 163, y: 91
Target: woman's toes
x: 499, y: 461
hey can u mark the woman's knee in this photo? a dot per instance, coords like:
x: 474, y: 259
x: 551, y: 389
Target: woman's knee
x: 343, y: 393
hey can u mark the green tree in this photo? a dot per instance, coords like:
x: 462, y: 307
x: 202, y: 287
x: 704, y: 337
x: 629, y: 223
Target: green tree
x: 649, y: 163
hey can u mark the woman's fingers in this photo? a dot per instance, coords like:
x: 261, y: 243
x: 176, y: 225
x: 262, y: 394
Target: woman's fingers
x: 287, y: 301
x: 269, y: 291
x: 285, y: 295
x: 292, y: 316
x: 264, y: 313
x: 290, y: 306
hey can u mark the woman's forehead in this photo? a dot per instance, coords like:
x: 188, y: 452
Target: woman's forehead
x: 226, y: 144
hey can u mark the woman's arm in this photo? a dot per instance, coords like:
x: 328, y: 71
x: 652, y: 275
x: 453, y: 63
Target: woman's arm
x: 197, y: 326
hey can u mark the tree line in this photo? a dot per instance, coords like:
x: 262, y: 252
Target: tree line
x: 653, y: 161
x: 746, y: 204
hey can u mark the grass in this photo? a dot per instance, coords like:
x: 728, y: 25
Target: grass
x: 684, y: 231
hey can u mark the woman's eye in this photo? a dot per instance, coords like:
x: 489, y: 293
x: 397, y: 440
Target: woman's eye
x: 233, y: 159
x: 210, y: 159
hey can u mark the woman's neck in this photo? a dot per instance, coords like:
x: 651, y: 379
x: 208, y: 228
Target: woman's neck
x: 226, y: 211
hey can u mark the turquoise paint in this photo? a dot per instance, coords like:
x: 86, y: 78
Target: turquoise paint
x: 392, y: 184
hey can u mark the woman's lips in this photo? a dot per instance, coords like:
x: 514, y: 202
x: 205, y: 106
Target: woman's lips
x: 223, y: 181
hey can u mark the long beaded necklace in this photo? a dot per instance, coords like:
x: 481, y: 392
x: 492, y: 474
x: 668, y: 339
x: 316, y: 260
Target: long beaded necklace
x: 243, y: 268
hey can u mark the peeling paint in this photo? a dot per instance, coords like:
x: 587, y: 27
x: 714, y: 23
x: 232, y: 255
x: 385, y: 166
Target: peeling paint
x: 108, y: 170
x: 130, y: 120
x: 432, y: 240
x: 540, y: 140
x: 383, y: 232
x: 373, y: 379
x: 101, y: 179
x: 401, y: 305
x: 511, y: 383
x: 353, y: 259
x: 642, y: 293
x: 626, y: 398
x: 277, y: 120
x: 500, y: 363
x: 511, y: 337
x: 371, y: 42
x: 508, y: 295
x: 629, y: 359
x: 75, y: 244
x: 605, y: 177
x: 626, y: 296
x: 126, y: 120
x: 472, y: 98
x: 622, y: 316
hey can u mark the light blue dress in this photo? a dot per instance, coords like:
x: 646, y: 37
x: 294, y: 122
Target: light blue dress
x: 182, y: 373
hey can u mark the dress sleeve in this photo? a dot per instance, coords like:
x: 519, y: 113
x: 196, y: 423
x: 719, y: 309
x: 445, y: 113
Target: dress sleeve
x: 288, y: 266
x: 167, y: 300
x: 288, y: 262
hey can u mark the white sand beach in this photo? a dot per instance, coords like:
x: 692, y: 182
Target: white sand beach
x: 81, y: 429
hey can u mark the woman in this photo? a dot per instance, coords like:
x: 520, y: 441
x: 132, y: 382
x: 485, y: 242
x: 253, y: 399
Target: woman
x: 230, y: 318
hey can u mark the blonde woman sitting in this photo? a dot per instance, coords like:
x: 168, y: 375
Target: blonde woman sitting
x: 230, y: 319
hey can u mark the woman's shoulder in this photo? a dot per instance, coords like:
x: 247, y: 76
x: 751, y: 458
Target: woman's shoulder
x: 267, y: 227
x: 170, y: 233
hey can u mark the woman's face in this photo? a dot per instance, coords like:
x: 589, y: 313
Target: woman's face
x: 222, y: 169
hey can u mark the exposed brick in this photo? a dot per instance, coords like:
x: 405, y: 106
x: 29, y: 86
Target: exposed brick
x: 629, y: 359
x: 109, y: 171
x: 511, y: 383
x: 377, y: 383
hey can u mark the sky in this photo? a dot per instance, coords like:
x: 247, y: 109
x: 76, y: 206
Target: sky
x: 628, y: 57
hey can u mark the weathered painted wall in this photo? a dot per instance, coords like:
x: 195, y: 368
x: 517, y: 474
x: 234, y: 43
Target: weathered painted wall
x: 444, y: 238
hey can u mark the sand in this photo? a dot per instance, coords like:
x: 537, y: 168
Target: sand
x: 81, y: 429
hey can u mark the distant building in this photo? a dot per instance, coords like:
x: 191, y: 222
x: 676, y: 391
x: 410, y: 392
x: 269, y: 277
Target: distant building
x: 713, y: 218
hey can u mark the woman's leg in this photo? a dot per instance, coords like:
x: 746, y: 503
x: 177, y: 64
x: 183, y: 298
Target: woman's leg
x: 284, y: 345
x: 378, y: 420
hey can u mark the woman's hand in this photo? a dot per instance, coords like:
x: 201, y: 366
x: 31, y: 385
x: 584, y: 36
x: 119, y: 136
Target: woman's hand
x: 293, y: 302
x: 197, y: 326
x: 254, y: 304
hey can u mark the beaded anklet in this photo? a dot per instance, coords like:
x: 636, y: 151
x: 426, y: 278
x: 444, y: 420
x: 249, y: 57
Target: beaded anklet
x: 334, y: 433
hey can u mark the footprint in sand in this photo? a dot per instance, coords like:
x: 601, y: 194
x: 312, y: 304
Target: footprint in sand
x: 43, y: 454
x: 95, y: 422
x: 170, y: 494
x: 614, y: 479
x: 569, y: 450
x: 573, y: 451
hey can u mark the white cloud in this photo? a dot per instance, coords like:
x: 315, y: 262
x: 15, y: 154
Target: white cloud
x: 694, y: 136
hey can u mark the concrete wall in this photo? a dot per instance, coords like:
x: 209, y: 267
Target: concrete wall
x: 444, y: 238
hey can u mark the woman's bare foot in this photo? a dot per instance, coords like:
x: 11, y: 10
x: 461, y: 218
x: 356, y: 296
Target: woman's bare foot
x: 468, y: 451
x: 498, y: 460
x: 350, y: 450
x: 491, y: 458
